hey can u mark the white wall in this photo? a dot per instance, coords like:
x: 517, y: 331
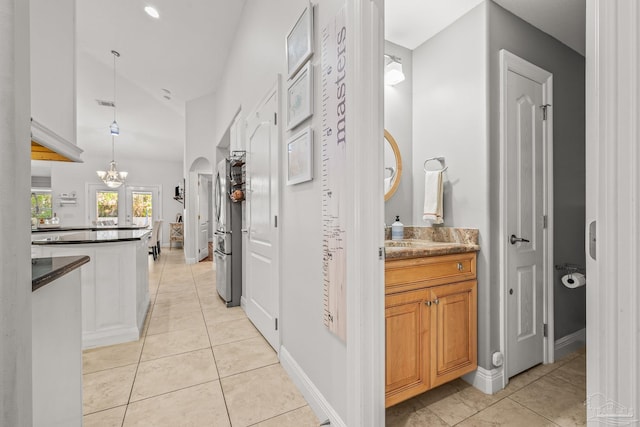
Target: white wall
x: 450, y: 119
x: 68, y: 177
x: 200, y: 130
x: 199, y: 156
x: 15, y: 270
x: 398, y: 120
x: 53, y: 76
x: 257, y: 56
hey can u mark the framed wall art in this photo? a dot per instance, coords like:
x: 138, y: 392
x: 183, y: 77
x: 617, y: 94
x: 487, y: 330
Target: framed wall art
x: 300, y: 96
x: 300, y: 157
x: 299, y: 42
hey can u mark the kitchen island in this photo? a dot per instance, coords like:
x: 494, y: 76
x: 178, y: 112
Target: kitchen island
x: 114, y: 286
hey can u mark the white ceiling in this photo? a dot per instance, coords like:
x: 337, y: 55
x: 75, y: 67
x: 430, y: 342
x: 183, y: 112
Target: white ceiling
x: 183, y: 51
x: 410, y: 23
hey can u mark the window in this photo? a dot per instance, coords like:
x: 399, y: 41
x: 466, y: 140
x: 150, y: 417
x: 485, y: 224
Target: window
x: 142, y: 208
x: 41, y: 204
x: 107, y: 207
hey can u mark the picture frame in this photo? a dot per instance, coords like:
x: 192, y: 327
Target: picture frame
x: 299, y: 41
x: 300, y: 157
x: 300, y: 96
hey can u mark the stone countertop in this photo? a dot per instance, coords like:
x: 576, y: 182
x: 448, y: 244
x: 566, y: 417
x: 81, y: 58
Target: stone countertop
x: 53, y: 228
x: 46, y: 270
x: 103, y: 236
x: 431, y: 241
x: 410, y: 248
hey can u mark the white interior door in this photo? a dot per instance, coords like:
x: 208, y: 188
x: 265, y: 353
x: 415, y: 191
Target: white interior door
x: 526, y: 93
x: 203, y: 216
x: 262, y: 287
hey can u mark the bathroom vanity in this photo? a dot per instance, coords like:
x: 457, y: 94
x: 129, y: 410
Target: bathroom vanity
x: 430, y: 310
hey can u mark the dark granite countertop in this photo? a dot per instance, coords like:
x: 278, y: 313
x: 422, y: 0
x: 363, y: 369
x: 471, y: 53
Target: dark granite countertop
x: 102, y: 236
x: 46, y: 270
x: 53, y: 228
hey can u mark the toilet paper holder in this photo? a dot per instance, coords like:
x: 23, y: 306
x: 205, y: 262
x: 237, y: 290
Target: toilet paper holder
x: 568, y: 268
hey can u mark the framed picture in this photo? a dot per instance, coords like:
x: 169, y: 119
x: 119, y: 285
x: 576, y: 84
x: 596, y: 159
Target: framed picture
x: 300, y: 97
x: 299, y: 42
x: 300, y: 157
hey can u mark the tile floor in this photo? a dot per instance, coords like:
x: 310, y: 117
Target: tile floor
x: 546, y: 395
x: 197, y: 364
x: 202, y: 364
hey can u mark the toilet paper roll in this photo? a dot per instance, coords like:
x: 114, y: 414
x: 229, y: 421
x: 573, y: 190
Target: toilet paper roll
x: 574, y: 280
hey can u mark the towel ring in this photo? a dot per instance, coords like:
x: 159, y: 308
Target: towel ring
x: 393, y: 171
x: 439, y: 159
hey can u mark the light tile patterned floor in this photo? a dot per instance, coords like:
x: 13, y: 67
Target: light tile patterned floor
x: 201, y: 364
x: 546, y: 395
x: 197, y: 364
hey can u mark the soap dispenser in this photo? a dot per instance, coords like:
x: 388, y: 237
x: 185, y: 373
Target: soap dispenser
x: 397, y: 229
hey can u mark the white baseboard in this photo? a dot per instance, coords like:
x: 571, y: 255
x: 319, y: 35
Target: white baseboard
x: 243, y: 303
x: 110, y: 337
x: 316, y: 400
x: 570, y: 343
x: 190, y: 260
x: 485, y: 380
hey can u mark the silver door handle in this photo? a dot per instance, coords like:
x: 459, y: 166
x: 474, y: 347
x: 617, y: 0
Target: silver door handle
x: 513, y: 239
x: 244, y: 230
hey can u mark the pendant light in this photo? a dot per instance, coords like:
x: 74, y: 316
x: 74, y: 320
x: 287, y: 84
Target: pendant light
x: 114, y: 128
x: 112, y: 178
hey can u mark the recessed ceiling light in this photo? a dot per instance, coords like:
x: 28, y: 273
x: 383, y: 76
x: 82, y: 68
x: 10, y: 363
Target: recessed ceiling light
x: 152, y: 12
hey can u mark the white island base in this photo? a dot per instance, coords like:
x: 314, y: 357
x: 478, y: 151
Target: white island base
x: 115, y: 288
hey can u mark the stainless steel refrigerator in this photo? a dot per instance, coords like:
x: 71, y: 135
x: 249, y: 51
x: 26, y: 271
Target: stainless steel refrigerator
x: 228, y: 238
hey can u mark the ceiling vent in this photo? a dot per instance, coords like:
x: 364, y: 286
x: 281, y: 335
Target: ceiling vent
x: 104, y: 103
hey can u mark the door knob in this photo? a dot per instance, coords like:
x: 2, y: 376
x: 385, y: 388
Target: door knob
x: 513, y: 239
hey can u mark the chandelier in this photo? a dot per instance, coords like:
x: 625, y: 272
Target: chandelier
x: 112, y: 178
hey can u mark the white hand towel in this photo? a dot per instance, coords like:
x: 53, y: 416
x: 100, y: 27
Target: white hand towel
x: 387, y: 184
x: 433, y: 197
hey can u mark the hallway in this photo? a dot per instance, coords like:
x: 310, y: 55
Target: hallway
x: 198, y: 363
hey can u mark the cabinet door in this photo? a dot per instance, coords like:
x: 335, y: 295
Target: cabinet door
x: 407, y: 345
x: 454, y: 331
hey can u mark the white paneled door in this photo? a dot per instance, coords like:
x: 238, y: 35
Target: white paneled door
x: 525, y: 120
x: 262, y: 287
x: 203, y: 216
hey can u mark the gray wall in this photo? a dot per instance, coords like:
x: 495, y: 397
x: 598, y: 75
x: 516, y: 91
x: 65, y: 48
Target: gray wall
x: 507, y: 31
x: 398, y: 121
x: 450, y: 120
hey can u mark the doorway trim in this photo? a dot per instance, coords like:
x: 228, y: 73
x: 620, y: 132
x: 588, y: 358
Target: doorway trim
x: 511, y: 62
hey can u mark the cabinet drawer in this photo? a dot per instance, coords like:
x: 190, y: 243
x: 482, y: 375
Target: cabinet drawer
x: 414, y: 273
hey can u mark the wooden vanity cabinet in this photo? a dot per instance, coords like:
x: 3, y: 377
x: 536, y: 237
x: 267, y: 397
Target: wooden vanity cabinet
x: 431, y: 327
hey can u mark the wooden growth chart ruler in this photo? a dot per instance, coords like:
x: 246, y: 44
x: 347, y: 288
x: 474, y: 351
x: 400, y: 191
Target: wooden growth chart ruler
x: 334, y: 160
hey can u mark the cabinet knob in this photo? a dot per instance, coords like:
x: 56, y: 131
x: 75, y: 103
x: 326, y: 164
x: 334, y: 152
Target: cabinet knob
x: 427, y: 303
x: 436, y: 301
x: 460, y: 266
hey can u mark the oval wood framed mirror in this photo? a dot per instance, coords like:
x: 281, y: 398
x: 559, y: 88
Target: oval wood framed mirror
x: 392, y: 165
